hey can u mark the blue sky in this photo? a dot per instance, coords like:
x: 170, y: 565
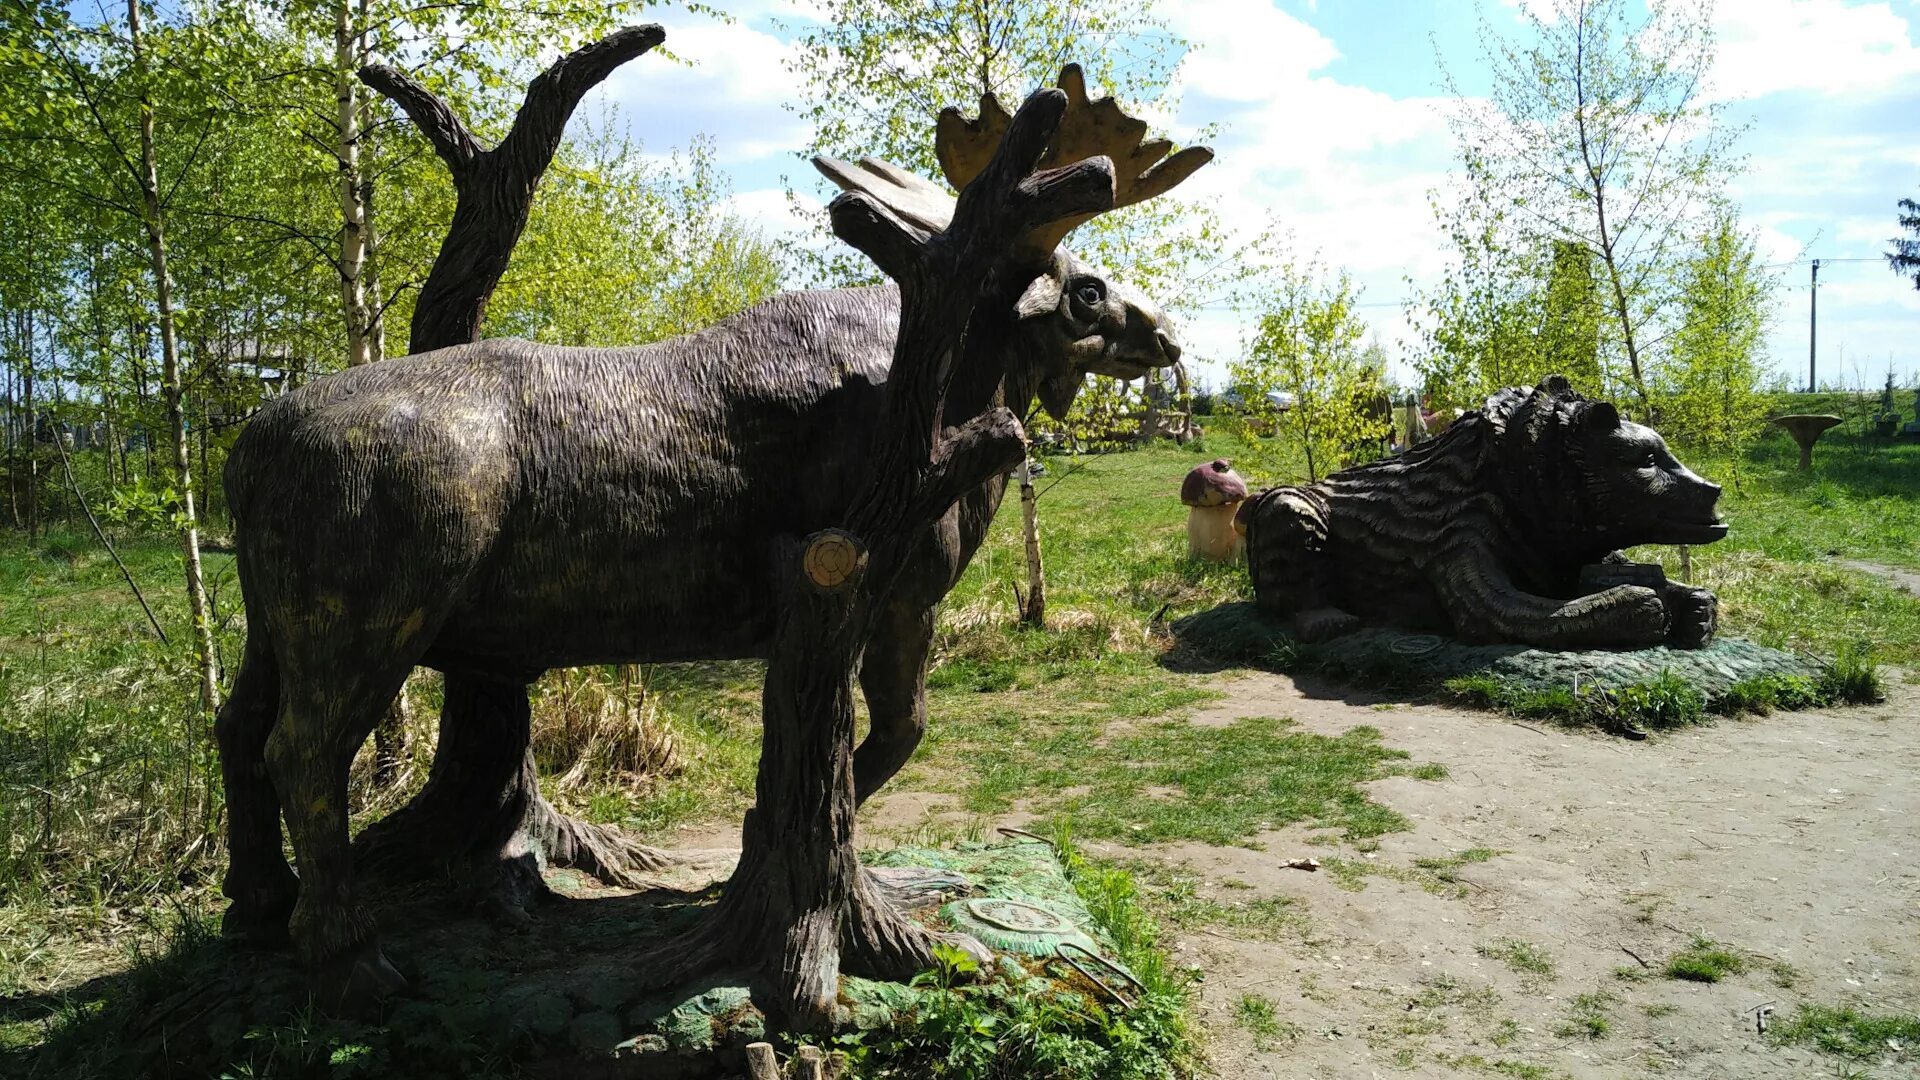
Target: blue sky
x: 1333, y: 117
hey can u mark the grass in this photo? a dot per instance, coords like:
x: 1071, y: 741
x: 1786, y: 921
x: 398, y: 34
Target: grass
x: 1256, y: 1016
x: 1519, y: 1070
x: 1524, y: 958
x: 1447, y: 867
x: 1588, y: 1017
x: 1439, y: 875
x: 1173, y: 896
x: 1850, y: 1031
x: 1704, y: 960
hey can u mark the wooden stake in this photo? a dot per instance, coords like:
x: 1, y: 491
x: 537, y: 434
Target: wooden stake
x: 761, y: 1062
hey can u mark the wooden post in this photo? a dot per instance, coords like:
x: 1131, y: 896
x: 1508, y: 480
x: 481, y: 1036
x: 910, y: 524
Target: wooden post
x: 761, y: 1062
x: 809, y: 1064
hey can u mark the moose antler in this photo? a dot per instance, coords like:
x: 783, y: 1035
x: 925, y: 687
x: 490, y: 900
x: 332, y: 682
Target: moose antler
x: 1090, y: 128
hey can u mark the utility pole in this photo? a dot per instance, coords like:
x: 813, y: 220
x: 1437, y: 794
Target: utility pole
x: 1813, y: 325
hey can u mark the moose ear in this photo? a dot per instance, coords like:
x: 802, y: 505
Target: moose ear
x: 1058, y: 391
x: 1041, y: 298
x: 1602, y: 415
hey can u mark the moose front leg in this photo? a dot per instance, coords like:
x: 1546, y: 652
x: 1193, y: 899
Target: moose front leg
x: 1483, y: 603
x: 893, y: 676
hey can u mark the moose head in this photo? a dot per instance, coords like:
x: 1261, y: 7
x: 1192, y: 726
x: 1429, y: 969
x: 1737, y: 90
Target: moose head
x: 1072, y: 320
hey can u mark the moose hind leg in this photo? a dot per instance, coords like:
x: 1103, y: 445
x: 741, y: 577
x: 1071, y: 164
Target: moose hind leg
x: 327, y: 710
x: 893, y: 676
x: 259, y: 884
x: 482, y: 807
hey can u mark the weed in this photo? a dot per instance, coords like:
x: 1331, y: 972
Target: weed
x: 1667, y: 701
x: 1523, y: 957
x: 1656, y: 1010
x: 1704, y: 960
x: 1763, y: 694
x: 1850, y: 1031
x: 1784, y: 974
x: 1447, y: 867
x: 1587, y: 1017
x: 1174, y: 896
x: 1255, y: 1015
x: 1443, y: 990
x: 1519, y: 1070
x: 1664, y: 702
x: 1853, y: 676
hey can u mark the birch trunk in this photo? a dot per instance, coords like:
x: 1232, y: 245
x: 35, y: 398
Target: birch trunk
x: 171, y: 384
x: 1033, y: 610
x: 353, y: 207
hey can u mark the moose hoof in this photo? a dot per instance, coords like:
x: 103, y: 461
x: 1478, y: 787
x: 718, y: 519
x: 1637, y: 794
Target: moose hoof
x: 357, y: 983
x: 1323, y: 624
x: 258, y: 920
x: 971, y: 945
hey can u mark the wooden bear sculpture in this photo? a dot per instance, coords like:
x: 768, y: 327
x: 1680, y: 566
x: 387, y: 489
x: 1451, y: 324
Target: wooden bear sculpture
x: 1506, y: 528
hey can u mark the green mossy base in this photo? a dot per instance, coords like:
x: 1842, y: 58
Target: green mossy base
x: 1241, y: 632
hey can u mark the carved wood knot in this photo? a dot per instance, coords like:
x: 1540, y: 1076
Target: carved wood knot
x: 833, y: 558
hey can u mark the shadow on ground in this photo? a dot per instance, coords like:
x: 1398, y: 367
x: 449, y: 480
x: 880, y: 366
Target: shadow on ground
x: 488, y: 998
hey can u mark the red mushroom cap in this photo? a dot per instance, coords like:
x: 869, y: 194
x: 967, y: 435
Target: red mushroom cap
x: 1213, y: 484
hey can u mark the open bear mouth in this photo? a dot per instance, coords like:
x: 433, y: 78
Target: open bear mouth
x: 1709, y: 528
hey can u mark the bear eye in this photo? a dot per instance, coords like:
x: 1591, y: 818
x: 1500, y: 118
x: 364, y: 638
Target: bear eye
x: 1649, y: 461
x: 1089, y: 293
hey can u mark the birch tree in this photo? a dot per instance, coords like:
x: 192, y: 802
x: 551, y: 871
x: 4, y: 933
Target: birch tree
x: 1599, y: 133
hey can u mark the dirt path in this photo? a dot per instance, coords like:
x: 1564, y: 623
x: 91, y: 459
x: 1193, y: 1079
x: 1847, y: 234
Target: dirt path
x: 1792, y: 839
x: 1892, y: 575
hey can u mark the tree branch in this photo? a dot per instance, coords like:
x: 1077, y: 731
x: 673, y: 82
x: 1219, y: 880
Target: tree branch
x: 430, y: 113
x: 985, y: 447
x: 556, y: 92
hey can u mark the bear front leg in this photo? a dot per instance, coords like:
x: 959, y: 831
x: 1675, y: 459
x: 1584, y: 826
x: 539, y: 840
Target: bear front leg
x: 1287, y: 559
x: 1484, y: 604
x: 1693, y: 616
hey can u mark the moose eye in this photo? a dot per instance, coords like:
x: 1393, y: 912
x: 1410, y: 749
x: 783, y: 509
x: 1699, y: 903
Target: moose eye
x: 1089, y: 292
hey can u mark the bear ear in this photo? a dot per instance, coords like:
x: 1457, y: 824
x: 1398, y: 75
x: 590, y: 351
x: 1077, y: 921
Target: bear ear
x: 1602, y: 415
x: 1557, y: 386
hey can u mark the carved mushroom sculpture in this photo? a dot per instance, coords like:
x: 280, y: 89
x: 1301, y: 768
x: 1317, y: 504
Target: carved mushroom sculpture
x: 1215, y: 492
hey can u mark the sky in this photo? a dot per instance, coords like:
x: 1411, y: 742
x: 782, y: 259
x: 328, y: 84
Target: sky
x: 1332, y: 124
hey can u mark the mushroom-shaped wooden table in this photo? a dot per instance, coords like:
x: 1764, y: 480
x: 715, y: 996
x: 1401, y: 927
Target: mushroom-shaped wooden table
x: 1806, y: 429
x: 1214, y: 491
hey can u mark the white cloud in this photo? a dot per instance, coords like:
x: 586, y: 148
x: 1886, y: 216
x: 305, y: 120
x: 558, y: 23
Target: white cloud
x: 1344, y: 169
x: 771, y: 212
x: 1822, y: 46
x: 731, y: 85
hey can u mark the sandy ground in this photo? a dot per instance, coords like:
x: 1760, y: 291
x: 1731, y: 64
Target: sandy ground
x: 1792, y: 838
